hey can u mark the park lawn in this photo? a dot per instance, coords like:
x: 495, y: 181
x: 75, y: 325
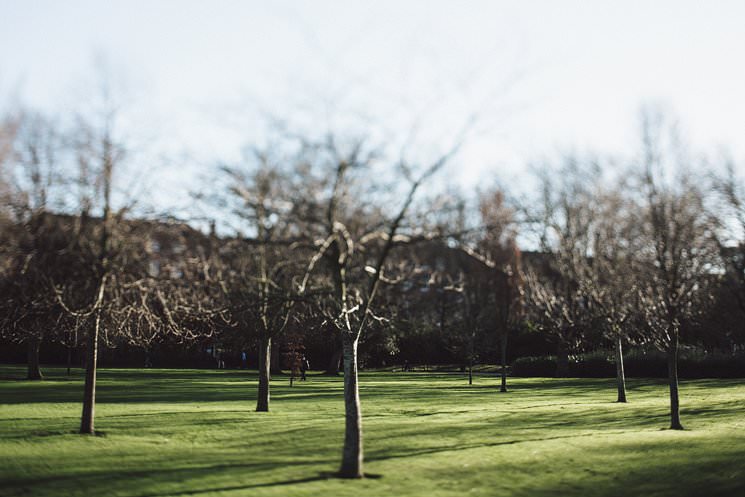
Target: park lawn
x: 194, y: 433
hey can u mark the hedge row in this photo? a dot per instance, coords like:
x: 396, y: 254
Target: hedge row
x: 637, y: 364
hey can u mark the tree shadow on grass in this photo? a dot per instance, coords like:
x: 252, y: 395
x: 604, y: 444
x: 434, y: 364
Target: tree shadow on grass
x: 455, y: 448
x: 91, y: 482
x: 194, y: 386
x: 296, y: 481
x: 81, y: 479
x: 162, y: 386
x: 323, y: 476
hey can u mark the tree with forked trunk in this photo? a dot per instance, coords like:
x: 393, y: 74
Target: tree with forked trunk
x: 259, y: 271
x: 119, y: 289
x: 679, y: 253
x: 355, y: 238
x: 499, y: 245
x: 32, y: 161
x: 563, y: 222
x: 592, y: 241
x: 609, y: 274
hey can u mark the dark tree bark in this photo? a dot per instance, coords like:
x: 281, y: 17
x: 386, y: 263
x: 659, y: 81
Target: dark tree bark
x: 672, y: 369
x: 503, y: 386
x: 470, y: 372
x: 89, y: 396
x: 69, y: 359
x: 352, y: 455
x: 562, y: 360
x: 620, y: 376
x: 34, y: 371
x: 265, y: 360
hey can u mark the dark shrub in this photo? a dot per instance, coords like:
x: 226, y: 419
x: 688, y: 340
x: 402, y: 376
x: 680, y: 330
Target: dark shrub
x: 692, y: 363
x: 534, y: 366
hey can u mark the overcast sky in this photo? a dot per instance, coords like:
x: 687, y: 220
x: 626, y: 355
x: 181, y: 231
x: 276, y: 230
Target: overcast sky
x: 542, y: 76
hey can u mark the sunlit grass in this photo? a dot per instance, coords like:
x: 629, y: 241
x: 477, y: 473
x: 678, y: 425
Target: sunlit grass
x: 176, y: 432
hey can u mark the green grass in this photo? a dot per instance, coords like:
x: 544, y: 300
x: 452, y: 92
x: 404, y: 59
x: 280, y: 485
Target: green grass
x: 194, y: 433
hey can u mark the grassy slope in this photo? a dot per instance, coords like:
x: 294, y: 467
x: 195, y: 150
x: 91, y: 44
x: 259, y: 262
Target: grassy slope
x: 195, y: 433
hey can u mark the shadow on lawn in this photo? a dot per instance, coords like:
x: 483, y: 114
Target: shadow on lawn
x: 89, y: 480
x: 136, y: 386
x: 323, y: 476
x: 196, y: 386
x: 498, y: 422
x: 320, y: 477
x: 454, y: 448
x: 93, y: 483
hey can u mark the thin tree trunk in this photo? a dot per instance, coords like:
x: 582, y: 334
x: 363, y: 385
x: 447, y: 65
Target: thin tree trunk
x: 265, y: 360
x: 89, y: 397
x: 620, y: 376
x: 503, y: 387
x: 69, y: 359
x: 562, y: 360
x: 471, y: 347
x: 91, y: 363
x: 352, y: 456
x: 672, y: 369
x: 34, y: 371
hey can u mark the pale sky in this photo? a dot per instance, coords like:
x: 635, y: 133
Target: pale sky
x: 543, y: 76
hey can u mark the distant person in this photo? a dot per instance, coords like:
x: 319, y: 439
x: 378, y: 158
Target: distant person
x: 244, y: 360
x: 406, y: 365
x: 304, y: 366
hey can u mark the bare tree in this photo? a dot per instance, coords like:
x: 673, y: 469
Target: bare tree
x: 731, y: 231
x: 679, y: 256
x: 98, y: 154
x: 115, y: 293
x: 471, y: 285
x: 261, y: 270
x: 609, y: 279
x: 499, y: 244
x: 564, y: 221
x: 489, y: 277
x: 32, y: 163
x: 354, y: 244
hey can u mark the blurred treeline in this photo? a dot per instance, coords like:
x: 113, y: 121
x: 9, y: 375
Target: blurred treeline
x: 643, y: 251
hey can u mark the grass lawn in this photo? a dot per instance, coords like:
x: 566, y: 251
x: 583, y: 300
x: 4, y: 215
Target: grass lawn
x: 190, y: 432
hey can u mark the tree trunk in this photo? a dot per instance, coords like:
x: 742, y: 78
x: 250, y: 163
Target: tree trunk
x: 470, y: 372
x: 503, y: 387
x: 34, y: 371
x: 562, y: 360
x: 672, y: 369
x: 69, y: 359
x: 89, y: 397
x: 333, y: 367
x: 265, y: 360
x: 620, y: 376
x: 352, y: 455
